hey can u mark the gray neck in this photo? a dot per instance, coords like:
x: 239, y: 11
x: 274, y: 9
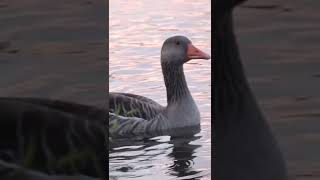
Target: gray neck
x: 181, y: 110
x: 242, y: 134
x: 231, y: 92
x: 176, y: 85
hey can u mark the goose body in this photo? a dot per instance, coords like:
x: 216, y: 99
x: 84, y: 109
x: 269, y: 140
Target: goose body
x: 130, y: 113
x: 56, y: 129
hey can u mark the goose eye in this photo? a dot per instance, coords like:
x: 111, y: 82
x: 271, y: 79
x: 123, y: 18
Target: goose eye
x: 177, y: 43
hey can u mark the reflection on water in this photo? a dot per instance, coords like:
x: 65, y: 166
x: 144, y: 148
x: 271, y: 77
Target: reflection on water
x: 164, y: 156
x: 137, y: 30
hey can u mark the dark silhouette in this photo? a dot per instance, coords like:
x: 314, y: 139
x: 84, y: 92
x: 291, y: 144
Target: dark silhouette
x: 245, y: 146
x: 42, y: 138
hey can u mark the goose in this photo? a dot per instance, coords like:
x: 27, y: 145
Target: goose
x: 244, y: 144
x: 9, y: 171
x: 54, y: 130
x: 130, y: 113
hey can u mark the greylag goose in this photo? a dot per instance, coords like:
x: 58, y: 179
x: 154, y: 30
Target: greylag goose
x: 245, y: 146
x: 129, y: 113
x: 9, y: 171
x: 55, y: 131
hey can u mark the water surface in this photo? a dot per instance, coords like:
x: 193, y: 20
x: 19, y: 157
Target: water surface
x: 54, y: 49
x: 279, y: 43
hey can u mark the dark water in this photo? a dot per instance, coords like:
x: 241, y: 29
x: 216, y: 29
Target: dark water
x: 54, y: 49
x: 279, y: 42
x: 137, y: 31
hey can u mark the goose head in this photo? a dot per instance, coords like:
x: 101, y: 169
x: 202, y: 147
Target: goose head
x: 178, y: 50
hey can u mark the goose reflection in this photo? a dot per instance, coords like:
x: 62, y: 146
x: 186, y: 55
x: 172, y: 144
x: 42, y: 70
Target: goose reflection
x: 182, y: 155
x: 130, y: 157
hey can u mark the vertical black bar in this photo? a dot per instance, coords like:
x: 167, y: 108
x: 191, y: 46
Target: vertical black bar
x: 107, y: 92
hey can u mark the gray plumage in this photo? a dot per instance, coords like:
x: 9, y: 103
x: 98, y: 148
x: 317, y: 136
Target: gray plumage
x: 10, y: 171
x: 40, y: 133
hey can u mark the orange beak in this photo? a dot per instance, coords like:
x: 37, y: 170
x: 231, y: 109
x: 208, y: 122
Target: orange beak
x: 195, y: 53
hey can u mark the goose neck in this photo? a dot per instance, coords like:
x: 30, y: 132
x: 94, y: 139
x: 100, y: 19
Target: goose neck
x: 175, y: 82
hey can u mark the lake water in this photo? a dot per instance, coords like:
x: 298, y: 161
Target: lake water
x: 137, y: 30
x: 54, y: 50
x: 279, y: 43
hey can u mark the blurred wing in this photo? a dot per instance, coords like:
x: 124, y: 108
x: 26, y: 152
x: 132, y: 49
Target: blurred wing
x: 130, y: 105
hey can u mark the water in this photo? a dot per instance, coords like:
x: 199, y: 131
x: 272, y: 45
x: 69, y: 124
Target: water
x: 137, y: 30
x: 279, y: 44
x: 53, y: 50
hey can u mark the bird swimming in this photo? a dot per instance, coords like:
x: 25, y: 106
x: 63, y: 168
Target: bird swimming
x: 147, y: 115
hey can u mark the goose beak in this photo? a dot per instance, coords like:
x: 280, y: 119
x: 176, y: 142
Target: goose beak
x: 195, y: 53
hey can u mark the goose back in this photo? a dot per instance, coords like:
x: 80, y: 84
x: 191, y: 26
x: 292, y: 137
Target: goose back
x: 130, y: 105
x: 52, y: 134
